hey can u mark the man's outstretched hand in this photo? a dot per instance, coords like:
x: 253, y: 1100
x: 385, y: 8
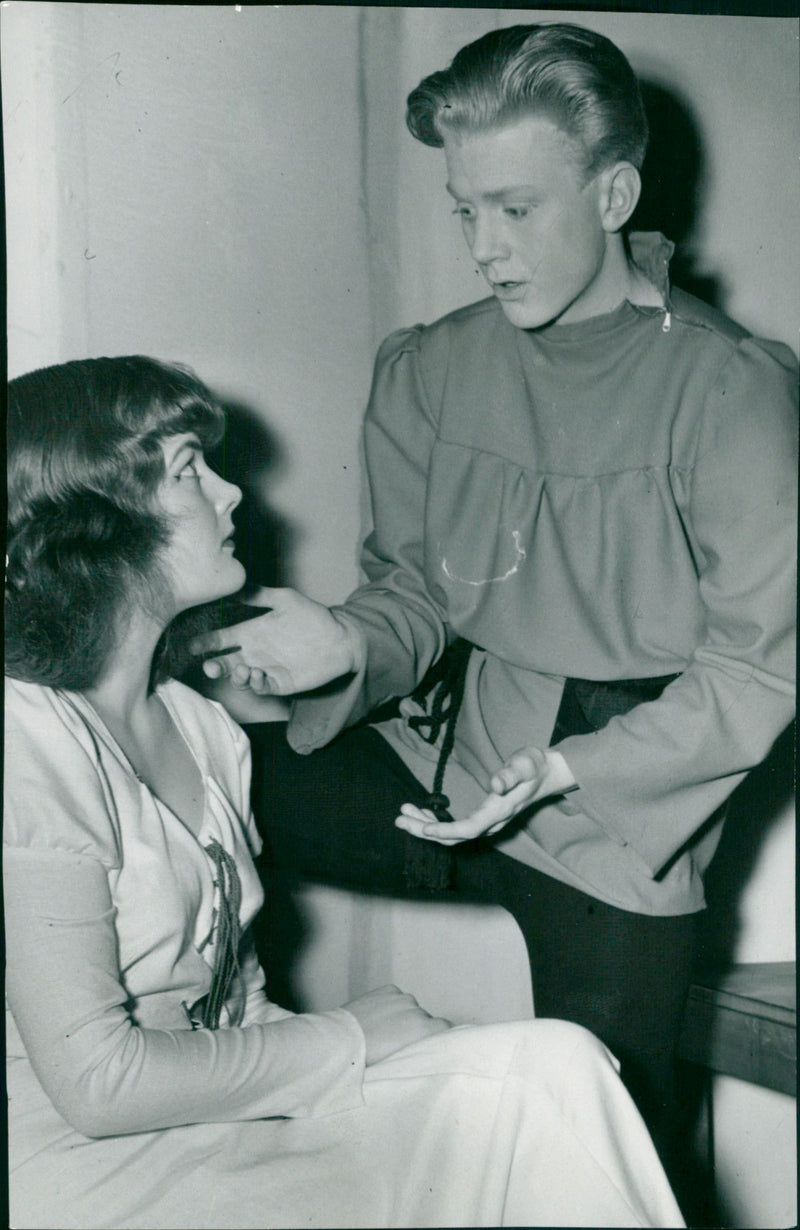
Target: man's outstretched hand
x: 530, y: 775
x: 295, y: 646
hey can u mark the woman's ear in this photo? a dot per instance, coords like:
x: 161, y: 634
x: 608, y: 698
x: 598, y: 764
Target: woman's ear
x: 621, y: 187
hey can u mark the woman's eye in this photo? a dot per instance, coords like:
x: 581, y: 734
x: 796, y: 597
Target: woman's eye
x: 190, y: 469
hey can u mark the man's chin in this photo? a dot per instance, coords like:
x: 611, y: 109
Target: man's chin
x: 526, y: 315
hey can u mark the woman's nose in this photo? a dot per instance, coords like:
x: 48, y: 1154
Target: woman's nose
x: 229, y: 496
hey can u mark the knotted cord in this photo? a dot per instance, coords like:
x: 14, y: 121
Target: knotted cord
x: 448, y: 678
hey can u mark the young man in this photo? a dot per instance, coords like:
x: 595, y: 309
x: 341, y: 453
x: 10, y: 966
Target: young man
x: 584, y: 486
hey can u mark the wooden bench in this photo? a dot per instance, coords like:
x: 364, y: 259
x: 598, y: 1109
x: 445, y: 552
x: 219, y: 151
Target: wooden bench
x: 742, y: 1021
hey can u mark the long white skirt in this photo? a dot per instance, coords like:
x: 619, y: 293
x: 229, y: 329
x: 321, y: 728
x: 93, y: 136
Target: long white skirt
x: 522, y: 1124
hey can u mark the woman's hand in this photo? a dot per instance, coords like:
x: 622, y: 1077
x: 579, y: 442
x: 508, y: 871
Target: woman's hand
x: 391, y: 1019
x: 298, y: 645
x: 528, y: 776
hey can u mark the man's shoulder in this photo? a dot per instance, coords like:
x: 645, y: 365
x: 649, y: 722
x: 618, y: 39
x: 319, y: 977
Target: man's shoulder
x: 696, y: 313
x: 720, y: 339
x: 467, y: 329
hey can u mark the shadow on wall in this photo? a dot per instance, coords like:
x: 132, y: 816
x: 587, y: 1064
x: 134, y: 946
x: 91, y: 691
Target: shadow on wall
x: 249, y: 455
x: 672, y: 185
x: 673, y: 179
x: 754, y: 808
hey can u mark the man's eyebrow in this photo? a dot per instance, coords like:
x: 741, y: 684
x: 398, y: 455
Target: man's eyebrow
x: 500, y: 194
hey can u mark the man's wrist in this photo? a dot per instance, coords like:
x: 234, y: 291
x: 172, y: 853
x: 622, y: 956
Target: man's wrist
x: 354, y: 644
x: 558, y: 777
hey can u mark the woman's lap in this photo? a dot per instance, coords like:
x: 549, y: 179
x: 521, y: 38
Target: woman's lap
x: 523, y: 1123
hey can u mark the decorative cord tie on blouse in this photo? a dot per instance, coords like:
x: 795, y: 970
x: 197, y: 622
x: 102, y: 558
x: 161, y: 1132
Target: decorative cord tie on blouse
x: 428, y: 865
x: 228, y: 937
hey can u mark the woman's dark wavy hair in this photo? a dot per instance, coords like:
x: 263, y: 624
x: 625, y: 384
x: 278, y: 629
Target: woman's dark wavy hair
x: 577, y: 79
x: 84, y: 531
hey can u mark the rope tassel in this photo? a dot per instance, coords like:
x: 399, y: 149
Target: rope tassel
x: 428, y: 865
x: 229, y: 933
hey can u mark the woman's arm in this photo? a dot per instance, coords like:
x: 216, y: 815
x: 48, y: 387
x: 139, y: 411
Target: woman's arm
x: 107, y: 1076
x: 64, y: 838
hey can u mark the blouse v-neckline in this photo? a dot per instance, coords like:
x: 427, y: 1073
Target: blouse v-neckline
x: 95, y: 719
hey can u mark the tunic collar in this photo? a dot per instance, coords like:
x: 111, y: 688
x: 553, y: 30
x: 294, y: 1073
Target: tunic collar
x: 651, y: 253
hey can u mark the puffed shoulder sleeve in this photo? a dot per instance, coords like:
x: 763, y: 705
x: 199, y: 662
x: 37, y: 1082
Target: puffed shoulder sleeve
x: 55, y: 796
x: 400, y: 627
x: 656, y: 774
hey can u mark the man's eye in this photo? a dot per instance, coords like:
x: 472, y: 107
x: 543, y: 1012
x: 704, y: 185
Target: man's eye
x: 518, y: 212
x: 464, y: 211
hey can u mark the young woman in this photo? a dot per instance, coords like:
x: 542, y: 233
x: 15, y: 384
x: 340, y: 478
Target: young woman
x: 151, y: 1082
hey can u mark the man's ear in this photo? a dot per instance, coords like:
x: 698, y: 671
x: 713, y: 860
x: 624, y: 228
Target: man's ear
x: 620, y: 189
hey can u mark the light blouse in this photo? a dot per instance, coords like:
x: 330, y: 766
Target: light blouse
x: 122, y: 1115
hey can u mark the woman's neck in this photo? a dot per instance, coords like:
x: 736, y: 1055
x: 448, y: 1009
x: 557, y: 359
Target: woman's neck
x: 122, y: 693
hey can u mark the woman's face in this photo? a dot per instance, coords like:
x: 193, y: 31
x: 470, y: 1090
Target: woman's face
x: 198, y: 562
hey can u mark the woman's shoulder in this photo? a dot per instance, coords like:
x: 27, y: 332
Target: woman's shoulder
x: 205, y: 723
x: 219, y: 745
x: 55, y: 794
x: 192, y: 707
x: 43, y: 716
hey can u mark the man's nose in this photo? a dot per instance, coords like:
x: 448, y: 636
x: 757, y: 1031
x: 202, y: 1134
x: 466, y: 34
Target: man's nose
x: 487, y: 242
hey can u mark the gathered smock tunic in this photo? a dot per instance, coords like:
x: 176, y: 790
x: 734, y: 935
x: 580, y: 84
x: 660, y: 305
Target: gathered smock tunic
x: 607, y: 500
x: 121, y: 1114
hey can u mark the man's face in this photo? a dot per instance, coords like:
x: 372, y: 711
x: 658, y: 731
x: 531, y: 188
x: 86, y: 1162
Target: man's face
x: 531, y: 222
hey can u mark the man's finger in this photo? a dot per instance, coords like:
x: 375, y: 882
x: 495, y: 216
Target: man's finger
x: 427, y: 830
x: 221, y: 641
x: 222, y: 666
x: 265, y: 596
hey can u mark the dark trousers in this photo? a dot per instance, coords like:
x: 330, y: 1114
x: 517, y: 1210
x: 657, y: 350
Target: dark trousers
x: 328, y: 817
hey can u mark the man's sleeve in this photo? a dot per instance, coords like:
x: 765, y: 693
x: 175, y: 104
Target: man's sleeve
x: 652, y: 776
x: 398, y: 625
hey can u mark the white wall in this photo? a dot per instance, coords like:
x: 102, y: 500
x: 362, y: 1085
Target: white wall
x: 184, y: 181
x: 236, y: 189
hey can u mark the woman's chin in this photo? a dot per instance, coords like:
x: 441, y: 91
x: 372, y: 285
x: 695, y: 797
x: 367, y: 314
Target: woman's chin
x: 232, y: 577
x: 234, y: 580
